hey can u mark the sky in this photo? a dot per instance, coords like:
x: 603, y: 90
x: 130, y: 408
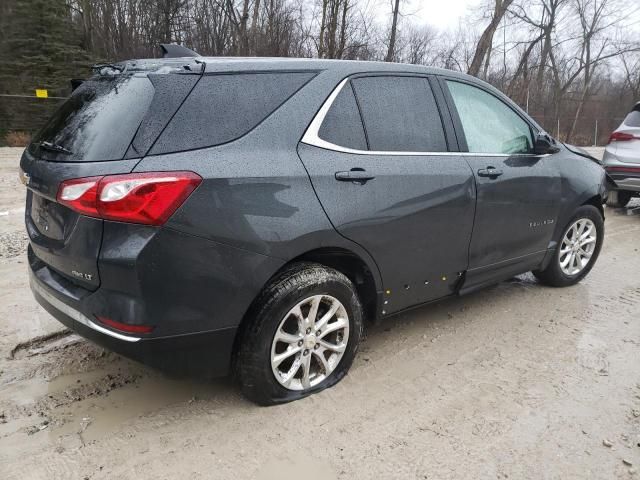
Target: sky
x: 444, y: 14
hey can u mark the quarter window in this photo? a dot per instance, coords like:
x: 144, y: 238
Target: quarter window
x: 222, y: 108
x: 400, y: 114
x: 489, y: 125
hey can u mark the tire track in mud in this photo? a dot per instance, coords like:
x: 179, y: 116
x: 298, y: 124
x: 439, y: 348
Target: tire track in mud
x: 42, y: 344
x: 47, y: 403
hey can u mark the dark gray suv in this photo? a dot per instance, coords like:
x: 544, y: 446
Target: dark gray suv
x: 250, y: 215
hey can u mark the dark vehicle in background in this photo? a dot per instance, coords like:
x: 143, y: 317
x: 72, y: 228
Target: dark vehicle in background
x: 622, y: 159
x: 249, y: 215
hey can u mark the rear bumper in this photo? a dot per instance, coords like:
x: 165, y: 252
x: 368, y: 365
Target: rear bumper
x: 202, y: 354
x: 628, y: 181
x: 191, y: 291
x: 624, y: 171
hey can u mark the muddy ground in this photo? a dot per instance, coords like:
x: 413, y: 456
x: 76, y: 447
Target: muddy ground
x: 517, y: 381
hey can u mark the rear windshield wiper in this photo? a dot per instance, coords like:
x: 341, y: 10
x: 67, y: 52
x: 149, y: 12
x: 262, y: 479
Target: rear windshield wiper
x: 55, y: 148
x: 106, y: 68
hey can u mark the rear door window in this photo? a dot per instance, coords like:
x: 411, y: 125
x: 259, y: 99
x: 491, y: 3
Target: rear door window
x: 222, y: 108
x: 400, y: 114
x: 342, y: 125
x: 490, y: 126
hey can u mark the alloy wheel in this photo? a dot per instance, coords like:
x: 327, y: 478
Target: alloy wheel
x: 577, y: 246
x: 310, y: 342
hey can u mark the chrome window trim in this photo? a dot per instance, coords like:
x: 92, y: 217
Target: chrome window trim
x: 76, y: 315
x: 311, y: 137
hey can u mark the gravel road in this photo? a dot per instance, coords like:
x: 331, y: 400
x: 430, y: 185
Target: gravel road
x: 517, y: 381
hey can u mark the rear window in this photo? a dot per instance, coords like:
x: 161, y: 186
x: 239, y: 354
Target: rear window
x: 99, y: 120
x: 633, y: 119
x: 400, y: 114
x: 224, y: 107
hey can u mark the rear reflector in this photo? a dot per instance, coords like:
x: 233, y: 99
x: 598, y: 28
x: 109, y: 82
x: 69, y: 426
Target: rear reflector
x: 622, y: 137
x: 125, y: 327
x: 149, y: 198
x: 623, y: 169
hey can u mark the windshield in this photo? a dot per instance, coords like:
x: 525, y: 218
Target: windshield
x: 98, y: 121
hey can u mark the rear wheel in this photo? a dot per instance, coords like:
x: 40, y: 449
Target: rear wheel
x: 304, y: 333
x: 618, y: 198
x: 577, y: 250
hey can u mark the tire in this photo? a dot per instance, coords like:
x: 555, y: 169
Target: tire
x: 618, y: 198
x: 554, y: 274
x: 272, y: 312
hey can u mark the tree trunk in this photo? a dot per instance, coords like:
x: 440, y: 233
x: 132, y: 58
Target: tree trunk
x: 392, y: 36
x: 483, y: 48
x: 323, y: 27
x: 254, y: 26
x: 243, y: 44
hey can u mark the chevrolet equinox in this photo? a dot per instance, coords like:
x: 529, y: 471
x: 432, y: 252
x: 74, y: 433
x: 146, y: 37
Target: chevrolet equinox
x: 248, y: 215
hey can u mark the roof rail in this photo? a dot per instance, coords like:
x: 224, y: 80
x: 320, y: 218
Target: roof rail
x: 171, y: 50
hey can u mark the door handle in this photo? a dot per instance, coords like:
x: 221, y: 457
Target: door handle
x: 356, y: 175
x: 490, y: 172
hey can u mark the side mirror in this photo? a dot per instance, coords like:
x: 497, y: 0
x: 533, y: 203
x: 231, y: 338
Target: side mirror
x: 544, y: 145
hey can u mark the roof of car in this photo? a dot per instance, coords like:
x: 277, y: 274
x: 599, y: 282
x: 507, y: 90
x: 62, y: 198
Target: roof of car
x: 348, y: 67
x: 351, y: 66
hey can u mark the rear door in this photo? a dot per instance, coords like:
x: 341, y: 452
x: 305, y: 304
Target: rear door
x: 519, y: 192
x: 377, y: 154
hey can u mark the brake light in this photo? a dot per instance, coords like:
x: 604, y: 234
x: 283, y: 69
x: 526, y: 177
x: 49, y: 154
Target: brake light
x: 125, y: 327
x: 149, y: 198
x: 622, y: 137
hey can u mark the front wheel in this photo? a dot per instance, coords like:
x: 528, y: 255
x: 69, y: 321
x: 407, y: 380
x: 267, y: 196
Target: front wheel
x: 577, y: 250
x: 303, y: 335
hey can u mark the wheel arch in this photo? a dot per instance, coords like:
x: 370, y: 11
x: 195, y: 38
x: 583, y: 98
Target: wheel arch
x: 364, y: 277
x: 596, y: 201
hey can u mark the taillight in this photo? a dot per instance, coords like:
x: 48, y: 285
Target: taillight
x: 80, y: 194
x: 149, y: 198
x: 618, y: 169
x: 622, y: 137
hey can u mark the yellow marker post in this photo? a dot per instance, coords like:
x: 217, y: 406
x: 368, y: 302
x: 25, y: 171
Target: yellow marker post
x: 42, y: 93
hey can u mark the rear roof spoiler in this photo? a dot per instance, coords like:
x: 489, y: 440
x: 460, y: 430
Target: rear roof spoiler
x: 171, y: 50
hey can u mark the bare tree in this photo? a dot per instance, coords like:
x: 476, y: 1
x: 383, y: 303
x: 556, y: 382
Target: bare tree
x: 483, y: 48
x: 418, y: 45
x: 630, y: 60
x: 392, y: 34
x: 597, y: 20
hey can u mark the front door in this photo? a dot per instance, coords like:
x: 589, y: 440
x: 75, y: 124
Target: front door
x: 518, y: 192
x: 378, y: 161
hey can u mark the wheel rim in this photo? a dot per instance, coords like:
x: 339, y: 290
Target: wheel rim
x: 577, y: 246
x: 310, y: 342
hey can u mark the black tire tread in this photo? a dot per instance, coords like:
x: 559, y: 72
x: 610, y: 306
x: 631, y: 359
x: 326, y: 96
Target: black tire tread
x: 552, y: 275
x: 294, y: 278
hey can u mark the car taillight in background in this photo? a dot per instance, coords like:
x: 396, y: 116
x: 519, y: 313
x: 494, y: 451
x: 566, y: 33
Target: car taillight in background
x: 619, y: 169
x: 622, y: 137
x: 149, y: 198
